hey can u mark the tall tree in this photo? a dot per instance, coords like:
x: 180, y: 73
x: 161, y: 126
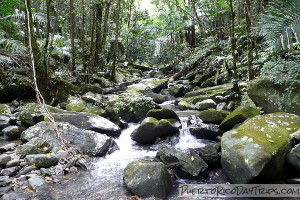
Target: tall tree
x: 72, y: 33
x: 249, y: 39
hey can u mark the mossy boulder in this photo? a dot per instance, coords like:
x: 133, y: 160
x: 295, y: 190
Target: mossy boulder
x: 61, y: 89
x: 34, y: 146
x: 293, y: 157
x: 141, y: 66
x: 214, y: 93
x: 205, y: 104
x: 146, y: 179
x: 209, y: 82
x: 75, y: 104
x: 150, y: 129
x: 94, y: 88
x: 42, y: 160
x: 274, y: 98
x: 213, y: 116
x: 4, y: 109
x: 177, y: 90
x: 257, y: 148
x: 93, y: 98
x: 164, y: 113
x: 13, y: 132
x: 239, y: 115
x: 156, y: 85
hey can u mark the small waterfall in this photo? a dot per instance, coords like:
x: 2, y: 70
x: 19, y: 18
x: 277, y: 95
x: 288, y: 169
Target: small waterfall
x: 157, y: 47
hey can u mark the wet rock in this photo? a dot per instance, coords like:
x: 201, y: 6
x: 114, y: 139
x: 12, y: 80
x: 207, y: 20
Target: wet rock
x: 5, y: 180
x: 7, y: 147
x: 293, y: 157
x: 221, y: 106
x: 89, y: 142
x: 165, y: 113
x: 93, y: 98
x: 13, y: 132
x: 26, y: 170
x: 186, y: 165
x: 296, y: 136
x: 145, y: 179
x: 42, y: 160
x: 4, y: 122
x: 206, y: 104
x: 150, y: 129
x: 177, y: 90
x: 4, y: 159
x: 34, y: 146
x: 156, y: 85
x: 205, y: 131
x: 209, y: 154
x: 274, y: 98
x: 213, y: 116
x: 239, y: 115
x: 36, y: 183
x: 258, y: 147
x: 4, y: 190
x: 13, y: 163
x: 157, y: 98
x: 4, y: 109
x: 209, y: 82
x: 11, y: 171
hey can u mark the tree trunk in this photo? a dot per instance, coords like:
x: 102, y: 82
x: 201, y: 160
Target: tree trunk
x: 105, y: 29
x: 99, y: 12
x: 72, y: 33
x: 250, y: 41
x: 233, y: 49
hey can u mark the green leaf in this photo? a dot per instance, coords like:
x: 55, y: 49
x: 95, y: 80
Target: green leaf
x: 222, y: 3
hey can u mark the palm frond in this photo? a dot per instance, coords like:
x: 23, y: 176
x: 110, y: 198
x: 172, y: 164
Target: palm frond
x: 280, y: 25
x: 12, y: 46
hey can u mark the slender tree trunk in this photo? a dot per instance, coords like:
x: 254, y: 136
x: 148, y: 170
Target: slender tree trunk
x: 233, y: 49
x: 115, y: 52
x: 249, y: 39
x: 93, y: 19
x: 72, y: 33
x: 99, y: 12
x: 105, y: 28
x: 83, y: 36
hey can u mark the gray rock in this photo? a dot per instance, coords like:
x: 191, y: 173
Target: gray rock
x: 42, y: 160
x: 213, y: 116
x: 205, y: 131
x: 186, y: 165
x: 13, y: 163
x: 11, y: 171
x: 89, y: 142
x: 36, y: 183
x: 150, y: 129
x: 258, y: 147
x: 26, y: 170
x: 4, y: 122
x: 34, y: 146
x: 7, y: 147
x: 209, y: 154
x: 293, y: 157
x: 5, y: 180
x: 145, y: 179
x: 13, y: 132
x: 4, y: 159
x: 296, y: 136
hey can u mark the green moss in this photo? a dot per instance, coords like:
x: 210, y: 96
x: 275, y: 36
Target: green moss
x: 75, y: 104
x: 184, y: 105
x: 4, y: 109
x: 213, y: 116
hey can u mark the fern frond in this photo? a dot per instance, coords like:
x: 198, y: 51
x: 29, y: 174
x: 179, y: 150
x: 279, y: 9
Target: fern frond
x: 280, y: 25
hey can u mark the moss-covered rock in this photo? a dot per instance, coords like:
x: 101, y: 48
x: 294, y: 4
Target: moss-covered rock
x: 177, y: 90
x: 205, y: 104
x: 164, y: 113
x: 293, y: 157
x: 191, y: 98
x: 13, y: 132
x: 4, y: 109
x: 209, y: 82
x: 93, y: 98
x: 94, y: 88
x: 42, y: 160
x: 239, y: 115
x: 258, y: 147
x: 147, y: 179
x: 75, y: 104
x: 61, y: 89
x: 213, y: 116
x: 274, y: 98
x: 150, y: 129
x: 156, y: 85
x: 34, y: 146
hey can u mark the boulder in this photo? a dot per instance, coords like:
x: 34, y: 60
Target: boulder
x: 164, y: 113
x: 93, y: 98
x: 157, y: 98
x: 186, y: 165
x: 141, y: 66
x: 89, y: 142
x: 209, y: 153
x: 213, y: 116
x: 4, y: 158
x: 4, y: 122
x: 7, y: 147
x: 257, y: 148
x: 206, y: 104
x: 209, y: 82
x: 214, y: 93
x: 293, y: 157
x: 150, y: 129
x: 177, y: 90
x: 35, y: 183
x: 205, y: 131
x: 94, y: 88
x: 13, y: 132
x: 75, y: 104
x: 5, y: 180
x: 145, y: 179
x: 4, y: 109
x: 274, y: 98
x: 11, y: 171
x: 239, y: 115
x: 34, y: 146
x: 156, y: 85
x: 42, y: 160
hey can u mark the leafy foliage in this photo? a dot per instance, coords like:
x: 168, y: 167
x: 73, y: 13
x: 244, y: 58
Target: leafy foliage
x: 280, y: 24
